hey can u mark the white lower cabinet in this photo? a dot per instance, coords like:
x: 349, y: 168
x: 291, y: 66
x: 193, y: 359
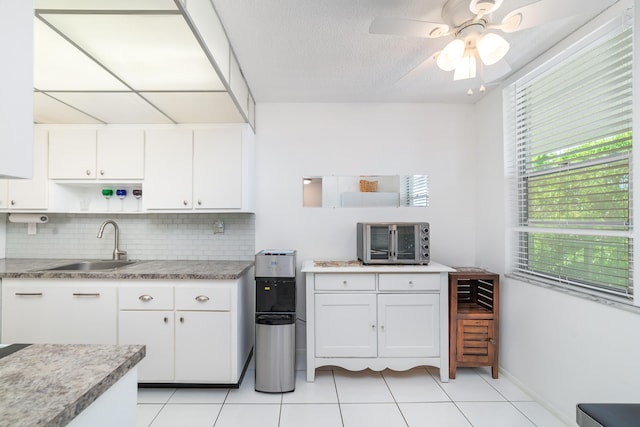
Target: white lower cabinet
x: 58, y: 311
x: 377, y: 317
x: 193, y: 333
x: 369, y: 325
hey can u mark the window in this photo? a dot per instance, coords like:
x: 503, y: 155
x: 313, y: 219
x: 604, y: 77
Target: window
x: 414, y: 190
x: 570, y: 128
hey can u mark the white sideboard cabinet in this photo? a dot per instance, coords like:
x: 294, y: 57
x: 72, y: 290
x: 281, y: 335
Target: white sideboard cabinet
x: 376, y: 317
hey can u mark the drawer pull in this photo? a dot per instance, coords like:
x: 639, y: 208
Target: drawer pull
x: 145, y: 298
x: 344, y: 282
x: 81, y: 294
x: 29, y: 294
x: 181, y: 319
x: 411, y: 282
x: 202, y: 298
x: 166, y: 319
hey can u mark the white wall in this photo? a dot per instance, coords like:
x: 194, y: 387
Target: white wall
x: 296, y: 140
x: 563, y: 349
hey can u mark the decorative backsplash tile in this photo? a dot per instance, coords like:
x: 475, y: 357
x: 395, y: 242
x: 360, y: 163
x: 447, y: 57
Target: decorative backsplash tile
x: 144, y: 237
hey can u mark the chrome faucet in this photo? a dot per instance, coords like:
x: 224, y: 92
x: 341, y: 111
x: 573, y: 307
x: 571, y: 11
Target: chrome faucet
x: 117, y: 253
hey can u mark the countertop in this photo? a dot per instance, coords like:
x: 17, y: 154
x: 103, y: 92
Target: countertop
x: 42, y: 385
x: 354, y: 266
x: 176, y: 270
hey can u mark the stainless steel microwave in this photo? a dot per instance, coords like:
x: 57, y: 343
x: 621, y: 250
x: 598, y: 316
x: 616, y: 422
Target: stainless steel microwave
x: 393, y: 242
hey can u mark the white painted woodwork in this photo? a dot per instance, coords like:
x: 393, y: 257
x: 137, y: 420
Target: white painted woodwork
x: 59, y: 311
x: 90, y: 154
x: 168, y: 169
x: 16, y: 103
x: 377, y: 317
x: 154, y: 329
x: 217, y: 168
x: 32, y: 193
x: 120, y: 154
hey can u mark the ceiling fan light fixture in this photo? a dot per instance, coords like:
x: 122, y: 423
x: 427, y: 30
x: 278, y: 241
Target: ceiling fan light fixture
x: 466, y: 68
x: 492, y: 48
x: 484, y: 7
x: 451, y: 55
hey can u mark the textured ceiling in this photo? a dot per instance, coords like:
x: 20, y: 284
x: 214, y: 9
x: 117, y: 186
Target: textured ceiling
x: 321, y: 51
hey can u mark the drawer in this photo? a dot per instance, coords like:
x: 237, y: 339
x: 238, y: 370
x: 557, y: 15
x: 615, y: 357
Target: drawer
x: 203, y: 298
x: 409, y: 282
x: 145, y: 298
x: 345, y: 282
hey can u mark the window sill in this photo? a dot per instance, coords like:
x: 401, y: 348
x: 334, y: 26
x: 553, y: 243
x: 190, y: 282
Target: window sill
x: 593, y: 296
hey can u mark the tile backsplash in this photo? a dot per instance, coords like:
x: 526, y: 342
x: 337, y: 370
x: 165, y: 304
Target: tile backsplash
x: 144, y: 237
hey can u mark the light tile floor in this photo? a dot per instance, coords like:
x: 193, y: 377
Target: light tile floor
x: 340, y: 398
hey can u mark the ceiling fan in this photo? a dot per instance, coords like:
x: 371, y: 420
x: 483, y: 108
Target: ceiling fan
x: 475, y: 34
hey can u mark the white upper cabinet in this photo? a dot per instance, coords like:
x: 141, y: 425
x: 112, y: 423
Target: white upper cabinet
x: 217, y: 168
x: 168, y: 167
x: 31, y: 193
x: 72, y: 154
x: 107, y: 154
x: 120, y: 154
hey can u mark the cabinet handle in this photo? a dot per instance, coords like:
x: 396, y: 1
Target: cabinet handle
x: 199, y: 202
x: 82, y: 294
x: 145, y: 298
x: 29, y: 294
x: 373, y: 326
x: 382, y: 327
x: 411, y: 282
x: 181, y: 319
x: 184, y: 202
x: 88, y: 172
x: 344, y: 282
x: 13, y: 202
x: 102, y: 172
x: 166, y: 319
x: 491, y: 341
x: 202, y: 298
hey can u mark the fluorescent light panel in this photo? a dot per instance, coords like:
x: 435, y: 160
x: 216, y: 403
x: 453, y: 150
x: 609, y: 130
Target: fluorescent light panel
x: 196, y: 107
x: 148, y: 52
x: 49, y: 110
x: 106, y: 4
x: 114, y: 107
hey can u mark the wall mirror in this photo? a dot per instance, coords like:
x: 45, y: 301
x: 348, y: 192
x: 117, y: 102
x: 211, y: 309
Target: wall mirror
x: 365, y: 191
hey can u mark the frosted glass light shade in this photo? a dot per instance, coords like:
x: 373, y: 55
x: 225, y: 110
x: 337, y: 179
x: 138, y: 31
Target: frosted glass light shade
x: 451, y: 55
x: 492, y: 48
x: 466, y: 68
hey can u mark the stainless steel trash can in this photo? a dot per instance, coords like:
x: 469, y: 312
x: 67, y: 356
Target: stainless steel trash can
x: 275, y: 355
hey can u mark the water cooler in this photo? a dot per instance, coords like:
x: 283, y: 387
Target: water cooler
x: 275, y: 321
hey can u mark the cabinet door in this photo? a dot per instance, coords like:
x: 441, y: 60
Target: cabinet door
x: 72, y: 154
x: 476, y: 341
x: 88, y: 315
x: 168, y: 169
x: 155, y: 330
x: 4, y: 194
x: 203, y: 346
x: 345, y: 325
x: 217, y: 168
x: 27, y: 314
x: 120, y: 154
x: 408, y: 325
x: 32, y: 193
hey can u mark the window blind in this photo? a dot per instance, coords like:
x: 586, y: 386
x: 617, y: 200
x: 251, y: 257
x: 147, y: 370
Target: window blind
x: 414, y: 190
x: 570, y: 127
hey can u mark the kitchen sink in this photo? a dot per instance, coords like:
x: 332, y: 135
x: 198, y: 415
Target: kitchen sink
x: 94, y: 265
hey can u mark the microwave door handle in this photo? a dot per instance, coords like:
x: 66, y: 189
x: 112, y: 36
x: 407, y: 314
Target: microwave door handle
x: 392, y: 244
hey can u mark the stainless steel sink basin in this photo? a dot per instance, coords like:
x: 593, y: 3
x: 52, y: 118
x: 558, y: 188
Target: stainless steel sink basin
x: 94, y: 265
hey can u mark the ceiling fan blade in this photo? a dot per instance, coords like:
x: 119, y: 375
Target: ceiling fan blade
x: 538, y: 13
x: 408, y: 27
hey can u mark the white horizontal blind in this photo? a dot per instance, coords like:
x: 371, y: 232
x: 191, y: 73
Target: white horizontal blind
x: 414, y: 190
x: 571, y: 126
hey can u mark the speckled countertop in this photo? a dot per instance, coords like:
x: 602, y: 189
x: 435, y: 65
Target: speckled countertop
x: 33, y: 395
x: 176, y: 270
